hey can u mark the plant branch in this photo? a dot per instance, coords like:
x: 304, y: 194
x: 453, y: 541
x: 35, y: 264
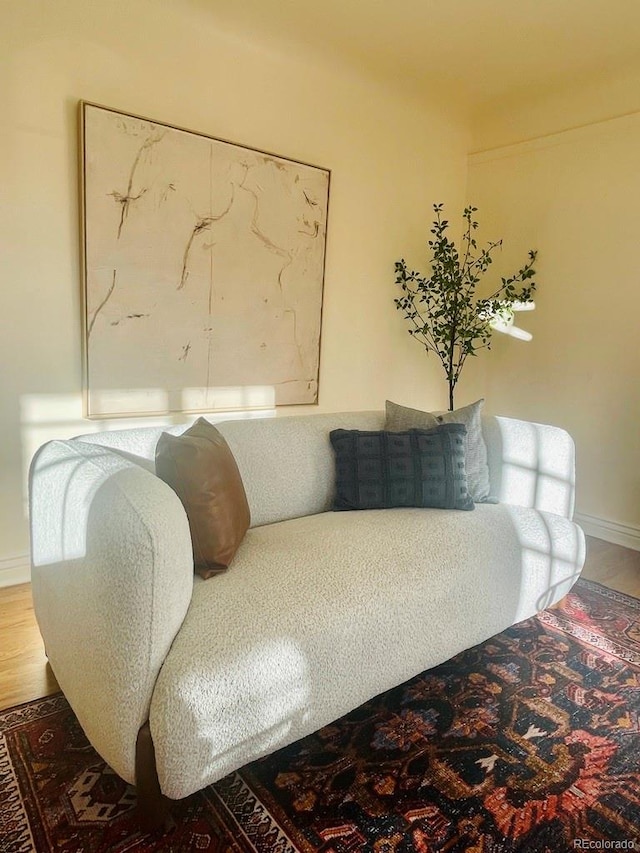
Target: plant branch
x: 444, y: 314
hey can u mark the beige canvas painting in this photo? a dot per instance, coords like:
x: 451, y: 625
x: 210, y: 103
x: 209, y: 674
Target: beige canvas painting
x: 203, y: 270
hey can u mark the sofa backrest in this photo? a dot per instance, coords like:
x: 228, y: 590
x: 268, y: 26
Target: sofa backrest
x: 286, y: 463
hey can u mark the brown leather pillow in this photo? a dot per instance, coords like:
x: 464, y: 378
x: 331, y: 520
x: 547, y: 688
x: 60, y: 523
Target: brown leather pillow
x: 200, y: 468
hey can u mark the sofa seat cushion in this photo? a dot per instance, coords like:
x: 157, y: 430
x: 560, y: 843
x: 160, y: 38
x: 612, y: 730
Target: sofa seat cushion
x: 319, y: 614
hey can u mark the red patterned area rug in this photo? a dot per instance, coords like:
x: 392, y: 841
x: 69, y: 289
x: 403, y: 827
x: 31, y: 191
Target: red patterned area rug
x: 528, y: 742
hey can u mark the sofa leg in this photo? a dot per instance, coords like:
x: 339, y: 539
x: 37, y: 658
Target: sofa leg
x: 153, y: 809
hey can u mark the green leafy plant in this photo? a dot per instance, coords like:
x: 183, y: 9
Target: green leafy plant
x: 444, y: 313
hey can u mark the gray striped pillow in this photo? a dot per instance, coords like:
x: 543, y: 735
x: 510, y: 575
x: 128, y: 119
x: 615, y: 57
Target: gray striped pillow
x: 400, y: 418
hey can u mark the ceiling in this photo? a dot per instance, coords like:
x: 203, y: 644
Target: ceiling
x: 476, y: 52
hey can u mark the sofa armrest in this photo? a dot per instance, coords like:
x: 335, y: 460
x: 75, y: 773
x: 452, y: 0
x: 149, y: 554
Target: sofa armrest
x: 531, y: 465
x: 112, y: 576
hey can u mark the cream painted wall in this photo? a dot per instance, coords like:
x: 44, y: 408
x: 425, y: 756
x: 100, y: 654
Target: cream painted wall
x: 575, y: 103
x: 390, y: 157
x: 574, y: 196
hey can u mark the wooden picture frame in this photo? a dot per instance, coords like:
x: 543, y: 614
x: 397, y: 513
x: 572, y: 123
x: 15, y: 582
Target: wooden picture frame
x: 203, y: 270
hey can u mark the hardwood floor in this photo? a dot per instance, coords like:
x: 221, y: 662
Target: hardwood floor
x: 613, y: 566
x: 24, y: 671
x: 25, y: 674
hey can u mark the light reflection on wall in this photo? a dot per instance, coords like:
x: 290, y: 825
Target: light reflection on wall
x: 159, y: 402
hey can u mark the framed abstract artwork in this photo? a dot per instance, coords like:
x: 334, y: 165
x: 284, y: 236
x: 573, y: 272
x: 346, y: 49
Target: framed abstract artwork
x: 203, y: 270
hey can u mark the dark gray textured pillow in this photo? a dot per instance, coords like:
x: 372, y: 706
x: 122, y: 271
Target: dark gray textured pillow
x: 403, y: 418
x: 379, y: 470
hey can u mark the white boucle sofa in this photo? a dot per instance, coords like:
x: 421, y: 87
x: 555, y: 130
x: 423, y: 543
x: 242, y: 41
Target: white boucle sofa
x: 320, y: 610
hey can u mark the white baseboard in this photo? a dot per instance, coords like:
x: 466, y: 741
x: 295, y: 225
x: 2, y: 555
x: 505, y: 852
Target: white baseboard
x: 15, y: 570
x: 611, y: 531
